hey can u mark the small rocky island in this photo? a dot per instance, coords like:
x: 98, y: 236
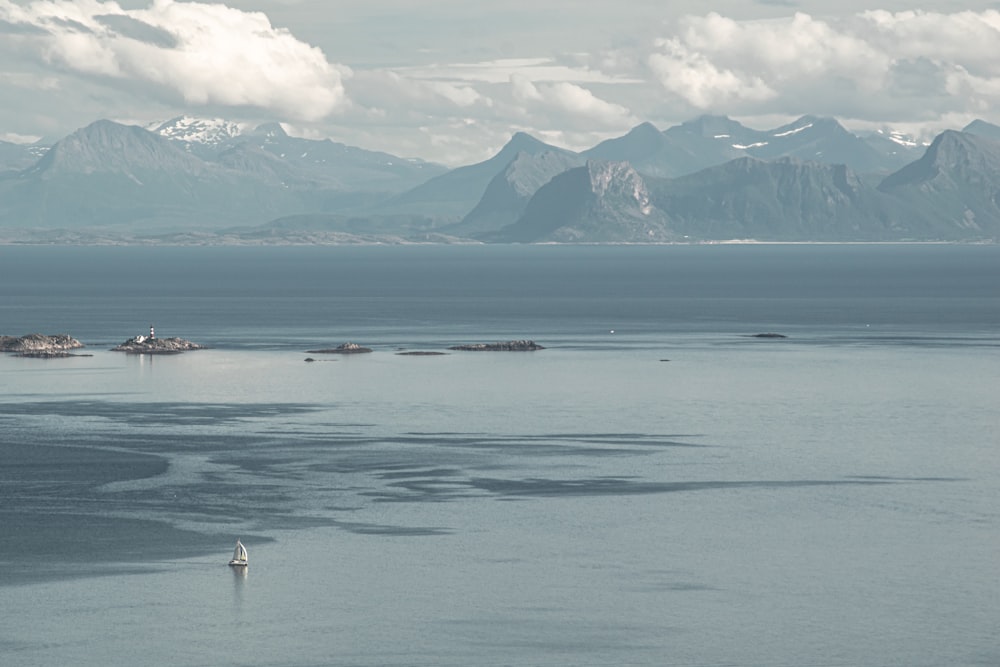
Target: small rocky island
x: 40, y: 345
x: 152, y: 345
x: 505, y: 346
x: 346, y: 348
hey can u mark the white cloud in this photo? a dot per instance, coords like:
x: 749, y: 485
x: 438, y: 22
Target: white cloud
x: 430, y: 80
x: 716, y: 61
x: 205, y: 54
x: 897, y: 65
x: 701, y: 82
x: 968, y: 39
x: 501, y: 71
x: 378, y: 92
x: 575, y: 104
x: 15, y: 138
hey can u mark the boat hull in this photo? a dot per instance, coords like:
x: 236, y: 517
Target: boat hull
x: 238, y: 563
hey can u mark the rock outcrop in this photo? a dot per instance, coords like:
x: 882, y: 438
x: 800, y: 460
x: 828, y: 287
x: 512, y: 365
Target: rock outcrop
x: 346, y: 348
x: 39, y: 345
x: 507, y: 346
x: 150, y: 345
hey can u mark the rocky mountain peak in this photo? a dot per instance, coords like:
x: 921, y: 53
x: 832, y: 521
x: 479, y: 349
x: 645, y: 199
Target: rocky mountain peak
x: 983, y: 129
x: 107, y: 146
x: 274, y: 130
x: 952, y: 155
x: 713, y: 126
x: 522, y: 142
x: 642, y: 141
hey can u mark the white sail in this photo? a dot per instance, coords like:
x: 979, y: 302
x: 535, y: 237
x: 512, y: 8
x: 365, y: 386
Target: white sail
x: 239, y: 554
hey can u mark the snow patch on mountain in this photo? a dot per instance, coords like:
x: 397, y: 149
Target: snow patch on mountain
x: 792, y: 131
x: 209, y: 131
x: 900, y: 138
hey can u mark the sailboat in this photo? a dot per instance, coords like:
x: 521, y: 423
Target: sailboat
x: 239, y: 555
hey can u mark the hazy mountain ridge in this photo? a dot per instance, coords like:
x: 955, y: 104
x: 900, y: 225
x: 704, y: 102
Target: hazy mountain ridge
x: 16, y: 157
x: 710, y: 178
x: 955, y: 187
x: 326, y: 163
x: 780, y: 200
x: 450, y: 196
x: 112, y: 174
x: 508, y: 193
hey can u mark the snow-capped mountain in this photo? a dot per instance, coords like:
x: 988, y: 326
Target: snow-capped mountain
x: 207, y: 131
x: 709, y: 178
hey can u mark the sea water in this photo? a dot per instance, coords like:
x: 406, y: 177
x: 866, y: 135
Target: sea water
x: 658, y: 486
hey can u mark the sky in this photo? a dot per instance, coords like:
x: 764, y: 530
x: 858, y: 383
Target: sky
x: 451, y: 80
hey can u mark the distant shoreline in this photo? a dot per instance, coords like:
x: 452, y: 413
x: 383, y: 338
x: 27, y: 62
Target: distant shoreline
x: 206, y: 243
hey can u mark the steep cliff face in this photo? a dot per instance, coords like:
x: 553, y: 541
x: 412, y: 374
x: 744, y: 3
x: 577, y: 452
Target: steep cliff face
x: 600, y: 202
x: 616, y: 183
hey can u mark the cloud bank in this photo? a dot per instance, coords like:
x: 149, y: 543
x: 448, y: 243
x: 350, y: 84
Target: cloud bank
x: 202, y: 54
x: 65, y: 63
x: 908, y: 65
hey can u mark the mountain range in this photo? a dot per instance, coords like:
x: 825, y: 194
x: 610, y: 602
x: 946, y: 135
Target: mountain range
x: 192, y: 180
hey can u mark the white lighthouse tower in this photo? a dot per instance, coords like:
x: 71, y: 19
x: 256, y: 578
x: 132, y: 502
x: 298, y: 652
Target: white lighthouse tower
x: 152, y: 335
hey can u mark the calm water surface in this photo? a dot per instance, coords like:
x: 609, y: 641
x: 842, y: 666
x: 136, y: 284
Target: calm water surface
x: 656, y: 487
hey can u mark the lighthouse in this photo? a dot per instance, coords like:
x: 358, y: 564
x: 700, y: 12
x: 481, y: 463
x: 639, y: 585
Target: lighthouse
x: 152, y: 335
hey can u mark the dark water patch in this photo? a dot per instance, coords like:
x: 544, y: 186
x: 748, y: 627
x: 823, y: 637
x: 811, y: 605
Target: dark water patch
x: 424, y: 490
x: 638, y: 439
x: 62, y: 545
x: 603, y: 486
x: 903, y: 340
x: 421, y: 474
x: 206, y: 499
x: 23, y: 573
x: 160, y: 414
x: 908, y: 479
x: 677, y: 587
x: 548, y: 444
x: 283, y: 467
x: 537, y: 445
x: 379, y: 463
x: 391, y: 531
x: 291, y: 521
x: 72, y: 464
